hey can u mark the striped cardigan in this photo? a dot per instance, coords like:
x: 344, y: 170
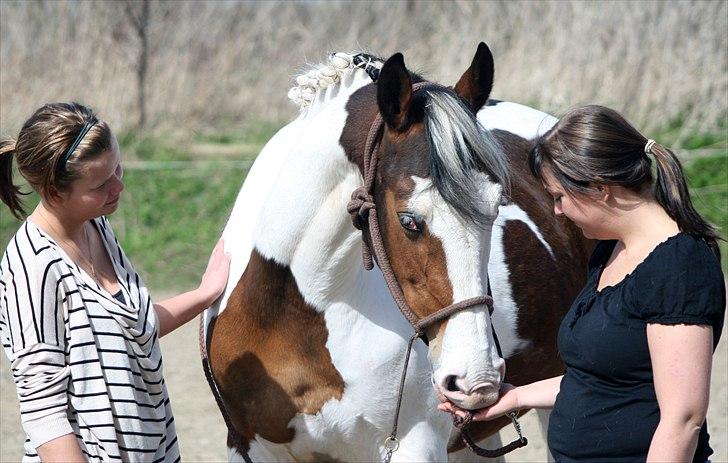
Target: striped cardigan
x: 83, y: 361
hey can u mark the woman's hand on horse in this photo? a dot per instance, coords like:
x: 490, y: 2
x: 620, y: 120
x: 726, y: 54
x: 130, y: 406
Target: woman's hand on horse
x: 216, y: 274
x: 507, y: 402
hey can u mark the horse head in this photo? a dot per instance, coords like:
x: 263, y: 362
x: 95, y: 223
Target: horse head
x: 438, y: 181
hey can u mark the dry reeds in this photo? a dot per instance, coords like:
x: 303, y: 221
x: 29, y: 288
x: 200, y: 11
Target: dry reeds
x: 213, y: 64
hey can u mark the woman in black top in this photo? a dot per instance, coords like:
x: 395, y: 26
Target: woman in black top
x: 638, y: 340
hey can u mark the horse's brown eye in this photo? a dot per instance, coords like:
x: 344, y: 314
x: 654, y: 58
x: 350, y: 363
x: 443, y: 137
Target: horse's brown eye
x: 408, y: 222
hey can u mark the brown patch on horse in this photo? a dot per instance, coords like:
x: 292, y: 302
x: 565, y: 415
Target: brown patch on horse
x: 268, y: 354
x: 528, y: 261
x: 425, y: 284
x: 362, y: 109
x: 530, y: 265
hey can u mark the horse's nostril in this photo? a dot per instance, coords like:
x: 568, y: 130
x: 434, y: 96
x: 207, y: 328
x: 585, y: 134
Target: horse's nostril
x: 450, y: 384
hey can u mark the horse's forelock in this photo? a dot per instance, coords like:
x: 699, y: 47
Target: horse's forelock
x: 460, y: 146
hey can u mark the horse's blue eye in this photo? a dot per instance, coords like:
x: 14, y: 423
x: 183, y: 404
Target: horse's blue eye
x: 408, y: 222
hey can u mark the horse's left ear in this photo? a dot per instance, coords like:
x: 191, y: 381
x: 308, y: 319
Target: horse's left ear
x: 476, y: 83
x: 394, y: 92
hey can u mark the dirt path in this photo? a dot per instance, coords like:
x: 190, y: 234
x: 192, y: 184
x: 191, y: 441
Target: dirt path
x: 202, y: 433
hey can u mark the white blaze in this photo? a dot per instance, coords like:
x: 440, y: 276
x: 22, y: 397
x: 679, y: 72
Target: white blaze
x: 467, y: 351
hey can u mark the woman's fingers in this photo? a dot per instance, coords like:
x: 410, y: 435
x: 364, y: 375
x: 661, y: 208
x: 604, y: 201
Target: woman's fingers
x: 505, y: 404
x: 218, y: 269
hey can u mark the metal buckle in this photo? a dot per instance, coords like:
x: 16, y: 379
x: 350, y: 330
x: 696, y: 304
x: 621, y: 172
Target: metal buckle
x: 391, y: 444
x: 514, y: 419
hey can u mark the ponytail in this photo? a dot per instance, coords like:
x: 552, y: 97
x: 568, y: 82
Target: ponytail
x: 594, y: 144
x: 9, y: 193
x: 671, y: 192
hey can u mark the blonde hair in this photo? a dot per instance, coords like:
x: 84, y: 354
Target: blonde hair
x: 39, y: 151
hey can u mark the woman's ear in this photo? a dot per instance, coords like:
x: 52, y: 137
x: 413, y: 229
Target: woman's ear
x: 604, y: 192
x: 55, y: 197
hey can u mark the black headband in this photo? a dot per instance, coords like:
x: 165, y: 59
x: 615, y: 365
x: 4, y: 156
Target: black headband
x: 84, y: 130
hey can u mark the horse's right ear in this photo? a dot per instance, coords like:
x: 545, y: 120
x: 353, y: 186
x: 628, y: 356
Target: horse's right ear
x: 394, y: 92
x: 477, y: 82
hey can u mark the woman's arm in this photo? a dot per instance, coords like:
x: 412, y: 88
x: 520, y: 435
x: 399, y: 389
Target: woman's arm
x: 175, y: 312
x: 61, y: 449
x: 541, y: 394
x: 681, y: 363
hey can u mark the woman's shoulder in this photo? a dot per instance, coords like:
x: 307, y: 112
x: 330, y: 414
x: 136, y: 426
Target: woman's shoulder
x: 31, y: 268
x: 684, y: 256
x: 27, y: 250
x: 681, y: 281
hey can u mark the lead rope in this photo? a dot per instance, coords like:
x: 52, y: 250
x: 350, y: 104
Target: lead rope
x: 233, y: 434
x: 391, y: 443
x: 360, y: 208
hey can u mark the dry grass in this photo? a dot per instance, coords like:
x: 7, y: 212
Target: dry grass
x: 214, y: 64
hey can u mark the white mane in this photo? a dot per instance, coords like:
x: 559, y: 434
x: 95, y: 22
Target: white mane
x: 308, y: 84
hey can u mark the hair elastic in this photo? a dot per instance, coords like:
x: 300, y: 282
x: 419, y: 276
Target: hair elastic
x: 649, y: 145
x: 84, y: 130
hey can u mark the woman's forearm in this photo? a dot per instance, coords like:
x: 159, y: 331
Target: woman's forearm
x: 176, y: 311
x: 674, y: 440
x: 541, y: 394
x: 61, y: 449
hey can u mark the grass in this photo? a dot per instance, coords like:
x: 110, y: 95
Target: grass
x: 708, y: 181
x: 170, y: 219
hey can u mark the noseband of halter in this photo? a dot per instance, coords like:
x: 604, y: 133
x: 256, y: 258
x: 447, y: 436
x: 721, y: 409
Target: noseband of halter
x: 362, y: 209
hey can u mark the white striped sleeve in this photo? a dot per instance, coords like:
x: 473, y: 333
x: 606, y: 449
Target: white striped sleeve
x: 32, y: 309
x: 33, y: 295
x: 41, y: 379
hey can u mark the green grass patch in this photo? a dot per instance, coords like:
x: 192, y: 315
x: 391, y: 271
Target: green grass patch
x: 671, y: 135
x: 708, y: 181
x: 169, y: 221
x: 255, y: 133
x: 151, y: 148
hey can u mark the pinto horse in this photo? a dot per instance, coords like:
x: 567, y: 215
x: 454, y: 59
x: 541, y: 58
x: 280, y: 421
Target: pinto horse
x: 306, y: 346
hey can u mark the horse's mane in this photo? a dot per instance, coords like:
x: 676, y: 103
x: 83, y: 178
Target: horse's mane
x: 323, y: 75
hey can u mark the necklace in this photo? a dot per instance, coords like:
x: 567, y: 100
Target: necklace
x: 76, y: 250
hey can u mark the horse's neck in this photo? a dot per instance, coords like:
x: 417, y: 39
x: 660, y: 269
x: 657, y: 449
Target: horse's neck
x: 292, y: 207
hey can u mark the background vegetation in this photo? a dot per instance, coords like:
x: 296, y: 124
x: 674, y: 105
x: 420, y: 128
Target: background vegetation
x: 172, y: 214
x: 194, y: 89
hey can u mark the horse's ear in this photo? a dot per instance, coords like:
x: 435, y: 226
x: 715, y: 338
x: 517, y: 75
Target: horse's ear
x: 476, y: 83
x: 394, y: 92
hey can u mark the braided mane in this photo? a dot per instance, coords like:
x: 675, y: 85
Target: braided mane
x: 324, y: 75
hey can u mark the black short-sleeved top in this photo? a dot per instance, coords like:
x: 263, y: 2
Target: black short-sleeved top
x: 606, y: 409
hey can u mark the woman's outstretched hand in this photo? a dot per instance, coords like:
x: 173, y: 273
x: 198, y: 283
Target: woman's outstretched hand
x: 507, y: 402
x: 216, y: 274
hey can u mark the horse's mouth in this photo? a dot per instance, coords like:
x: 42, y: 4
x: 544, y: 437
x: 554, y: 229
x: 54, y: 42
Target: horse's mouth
x: 479, y: 398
